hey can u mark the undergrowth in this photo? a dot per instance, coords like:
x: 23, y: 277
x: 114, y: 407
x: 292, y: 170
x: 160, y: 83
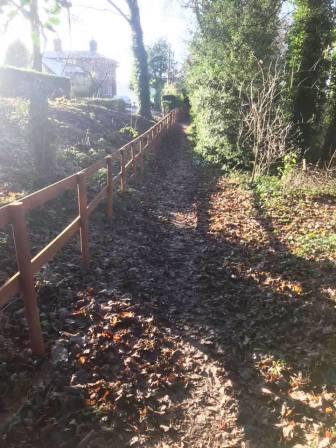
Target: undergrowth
x: 314, y: 243
x: 298, y: 203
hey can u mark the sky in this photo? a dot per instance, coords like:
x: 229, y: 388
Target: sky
x: 96, y: 19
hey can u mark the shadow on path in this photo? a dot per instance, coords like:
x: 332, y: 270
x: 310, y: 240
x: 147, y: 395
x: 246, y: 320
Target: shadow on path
x: 254, y: 323
x: 260, y: 312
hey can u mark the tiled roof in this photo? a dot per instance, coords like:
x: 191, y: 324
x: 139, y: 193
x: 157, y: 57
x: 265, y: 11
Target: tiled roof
x: 61, y: 68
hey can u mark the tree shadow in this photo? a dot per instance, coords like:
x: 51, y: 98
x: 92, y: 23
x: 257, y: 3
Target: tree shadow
x: 263, y: 313
x: 234, y: 299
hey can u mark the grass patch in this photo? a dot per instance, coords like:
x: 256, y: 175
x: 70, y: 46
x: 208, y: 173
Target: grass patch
x: 272, y: 191
x: 315, y: 244
x: 301, y: 207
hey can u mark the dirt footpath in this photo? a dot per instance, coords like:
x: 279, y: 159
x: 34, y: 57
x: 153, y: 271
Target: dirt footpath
x: 196, y: 327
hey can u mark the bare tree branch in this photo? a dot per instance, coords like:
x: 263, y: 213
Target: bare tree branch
x: 120, y: 11
x: 264, y: 123
x: 20, y: 8
x: 94, y: 8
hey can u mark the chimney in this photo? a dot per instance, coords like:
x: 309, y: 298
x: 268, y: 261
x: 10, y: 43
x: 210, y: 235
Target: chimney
x: 93, y: 46
x: 57, y: 44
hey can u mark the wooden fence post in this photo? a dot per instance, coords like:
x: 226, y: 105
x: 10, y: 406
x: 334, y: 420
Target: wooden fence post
x: 151, y: 140
x: 159, y: 133
x: 84, y: 223
x: 142, y: 159
x: 109, y: 189
x: 134, y: 167
x: 155, y: 138
x: 122, y: 171
x: 152, y: 137
x: 23, y: 257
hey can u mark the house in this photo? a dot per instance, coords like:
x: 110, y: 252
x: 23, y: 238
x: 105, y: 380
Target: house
x: 90, y: 72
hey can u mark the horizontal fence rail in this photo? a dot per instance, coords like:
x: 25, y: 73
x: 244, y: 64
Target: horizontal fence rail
x: 131, y: 160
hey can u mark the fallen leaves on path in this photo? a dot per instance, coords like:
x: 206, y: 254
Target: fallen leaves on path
x: 199, y: 325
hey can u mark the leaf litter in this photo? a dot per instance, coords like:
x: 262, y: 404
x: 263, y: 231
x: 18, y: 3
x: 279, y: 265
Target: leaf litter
x: 198, y: 325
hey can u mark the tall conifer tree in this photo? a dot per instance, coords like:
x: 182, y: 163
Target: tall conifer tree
x: 235, y: 38
x: 310, y: 39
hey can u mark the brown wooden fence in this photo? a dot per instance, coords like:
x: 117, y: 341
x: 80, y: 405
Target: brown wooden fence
x: 131, y: 161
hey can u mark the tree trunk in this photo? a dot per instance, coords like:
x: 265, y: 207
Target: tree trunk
x: 36, y: 35
x: 40, y: 141
x: 330, y: 115
x: 140, y: 61
x: 157, y: 98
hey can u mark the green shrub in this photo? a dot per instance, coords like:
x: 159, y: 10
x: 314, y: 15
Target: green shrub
x: 71, y: 160
x: 170, y: 102
x: 268, y: 187
x: 313, y: 182
x: 18, y: 82
x: 224, y: 61
x: 171, y: 98
x: 295, y: 182
x: 290, y: 162
x: 129, y: 133
x: 117, y: 104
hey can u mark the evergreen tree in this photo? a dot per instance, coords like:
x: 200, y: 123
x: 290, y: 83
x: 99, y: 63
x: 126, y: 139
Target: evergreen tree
x: 162, y: 68
x: 330, y: 119
x: 17, y: 55
x: 234, y: 39
x: 309, y: 43
x: 30, y: 10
